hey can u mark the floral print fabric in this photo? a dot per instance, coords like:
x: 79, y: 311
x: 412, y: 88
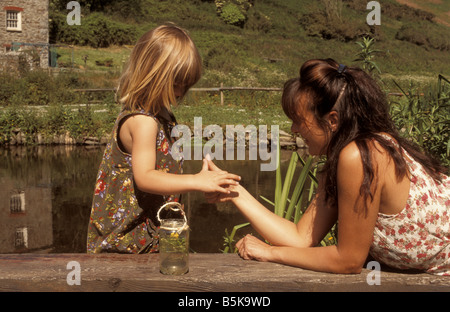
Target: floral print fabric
x: 123, y: 218
x: 419, y: 236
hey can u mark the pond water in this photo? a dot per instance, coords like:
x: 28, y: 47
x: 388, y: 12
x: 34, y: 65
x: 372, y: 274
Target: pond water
x: 46, y: 194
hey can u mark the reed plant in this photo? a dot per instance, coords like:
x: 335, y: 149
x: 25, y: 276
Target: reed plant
x: 292, y: 201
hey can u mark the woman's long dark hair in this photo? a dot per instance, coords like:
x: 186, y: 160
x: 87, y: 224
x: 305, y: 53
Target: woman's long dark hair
x: 363, y: 115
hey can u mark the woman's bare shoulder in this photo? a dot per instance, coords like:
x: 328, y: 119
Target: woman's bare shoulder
x: 350, y: 154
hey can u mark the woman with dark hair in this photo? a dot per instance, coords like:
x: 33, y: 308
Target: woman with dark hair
x: 390, y: 199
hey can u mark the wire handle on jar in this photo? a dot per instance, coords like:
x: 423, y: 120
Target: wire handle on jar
x: 170, y: 205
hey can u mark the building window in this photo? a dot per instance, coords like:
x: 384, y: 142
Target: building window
x: 13, y: 20
x: 17, y: 203
x: 21, y: 238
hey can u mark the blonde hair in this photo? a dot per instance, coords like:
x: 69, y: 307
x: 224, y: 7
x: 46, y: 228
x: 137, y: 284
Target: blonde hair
x: 162, y: 58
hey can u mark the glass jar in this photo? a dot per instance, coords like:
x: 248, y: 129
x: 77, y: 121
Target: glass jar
x: 173, y: 243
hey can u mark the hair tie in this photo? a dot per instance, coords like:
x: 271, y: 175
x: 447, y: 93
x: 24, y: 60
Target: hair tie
x: 341, y: 68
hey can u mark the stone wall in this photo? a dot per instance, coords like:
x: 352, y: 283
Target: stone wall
x: 10, y: 62
x: 34, y: 32
x: 19, y: 137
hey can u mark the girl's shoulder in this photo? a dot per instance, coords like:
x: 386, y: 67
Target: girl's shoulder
x: 138, y: 115
x: 127, y: 113
x: 164, y: 116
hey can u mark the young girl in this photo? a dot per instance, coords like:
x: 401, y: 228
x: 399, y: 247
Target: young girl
x: 138, y: 174
x: 390, y: 199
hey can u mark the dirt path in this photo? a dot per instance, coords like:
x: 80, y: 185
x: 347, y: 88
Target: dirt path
x: 444, y: 18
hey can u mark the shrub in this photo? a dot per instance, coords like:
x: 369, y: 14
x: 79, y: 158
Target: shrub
x: 233, y: 12
x: 33, y: 88
x: 425, y: 119
x: 393, y: 10
x: 232, y: 15
x: 37, y: 88
x: 425, y: 34
x: 8, y: 88
x: 96, y: 30
x: 226, y: 56
x: 106, y: 62
x: 333, y: 8
x: 319, y: 25
x: 259, y: 22
x: 122, y: 8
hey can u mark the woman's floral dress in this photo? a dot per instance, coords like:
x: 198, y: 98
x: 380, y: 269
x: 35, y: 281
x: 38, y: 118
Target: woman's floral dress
x: 123, y: 218
x: 419, y: 236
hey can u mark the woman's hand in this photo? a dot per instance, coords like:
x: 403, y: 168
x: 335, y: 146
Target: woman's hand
x: 218, y: 197
x: 215, y: 182
x: 251, y: 248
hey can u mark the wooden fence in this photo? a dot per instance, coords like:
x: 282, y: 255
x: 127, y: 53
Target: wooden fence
x: 212, y: 89
x: 220, y: 90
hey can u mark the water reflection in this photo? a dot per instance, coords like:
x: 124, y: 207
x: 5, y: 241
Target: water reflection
x: 47, y: 191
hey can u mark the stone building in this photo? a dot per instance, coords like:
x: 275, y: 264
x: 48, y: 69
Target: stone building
x: 24, y: 33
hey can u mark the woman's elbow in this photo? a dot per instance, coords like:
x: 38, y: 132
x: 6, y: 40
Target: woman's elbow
x: 352, y: 269
x: 348, y: 265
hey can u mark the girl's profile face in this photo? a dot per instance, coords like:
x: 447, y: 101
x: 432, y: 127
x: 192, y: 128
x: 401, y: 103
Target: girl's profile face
x: 313, y: 135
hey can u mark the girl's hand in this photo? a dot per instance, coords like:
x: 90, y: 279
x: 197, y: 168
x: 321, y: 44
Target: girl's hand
x: 214, y: 197
x: 215, y: 181
x: 251, y: 248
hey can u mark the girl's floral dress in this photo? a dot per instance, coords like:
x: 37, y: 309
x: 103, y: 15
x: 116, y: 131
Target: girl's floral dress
x: 123, y: 218
x: 419, y: 236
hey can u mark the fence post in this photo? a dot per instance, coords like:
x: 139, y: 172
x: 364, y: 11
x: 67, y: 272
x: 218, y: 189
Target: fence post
x: 221, y: 93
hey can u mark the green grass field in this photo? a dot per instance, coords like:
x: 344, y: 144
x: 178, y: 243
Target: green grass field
x: 270, y: 49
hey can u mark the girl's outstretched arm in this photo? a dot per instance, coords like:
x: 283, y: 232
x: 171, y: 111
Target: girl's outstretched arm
x: 138, y: 137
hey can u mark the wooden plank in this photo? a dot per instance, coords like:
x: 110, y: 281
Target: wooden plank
x: 208, y: 273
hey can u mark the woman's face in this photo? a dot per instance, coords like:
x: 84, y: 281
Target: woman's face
x: 314, y: 136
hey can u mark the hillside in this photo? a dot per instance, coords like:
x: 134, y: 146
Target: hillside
x: 440, y: 8
x: 275, y: 38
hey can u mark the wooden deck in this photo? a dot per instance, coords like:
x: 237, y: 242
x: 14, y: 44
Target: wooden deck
x: 208, y: 273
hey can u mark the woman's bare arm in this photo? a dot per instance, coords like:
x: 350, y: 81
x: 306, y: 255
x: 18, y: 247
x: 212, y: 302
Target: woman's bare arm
x: 356, y: 227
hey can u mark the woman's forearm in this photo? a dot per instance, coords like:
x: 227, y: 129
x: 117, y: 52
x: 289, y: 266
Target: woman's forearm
x: 275, y: 229
x: 323, y: 259
x: 333, y: 259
